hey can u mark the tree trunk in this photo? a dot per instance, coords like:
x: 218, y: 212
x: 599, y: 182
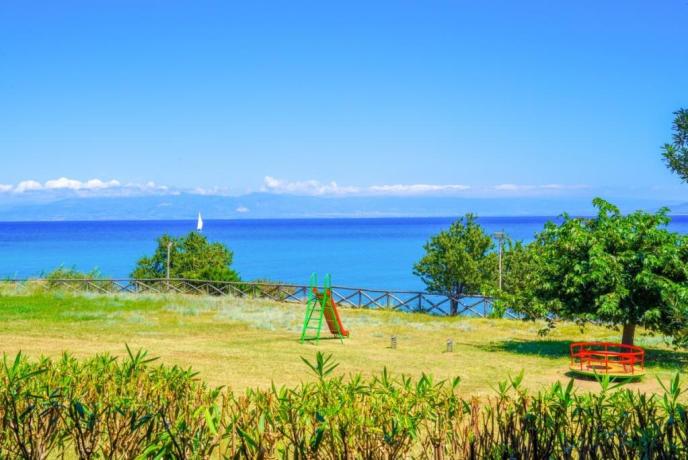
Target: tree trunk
x: 454, y: 296
x: 628, y: 334
x: 453, y: 306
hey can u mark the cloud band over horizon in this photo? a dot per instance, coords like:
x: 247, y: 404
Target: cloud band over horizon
x: 90, y: 187
x: 114, y: 187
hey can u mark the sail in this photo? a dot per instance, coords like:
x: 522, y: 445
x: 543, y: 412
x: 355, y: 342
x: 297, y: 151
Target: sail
x: 199, y: 225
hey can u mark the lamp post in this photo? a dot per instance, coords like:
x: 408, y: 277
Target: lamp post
x: 169, y: 247
x: 500, y: 237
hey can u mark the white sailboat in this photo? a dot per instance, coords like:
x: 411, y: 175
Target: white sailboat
x: 199, y: 224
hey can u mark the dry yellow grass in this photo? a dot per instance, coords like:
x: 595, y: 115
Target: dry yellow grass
x: 251, y: 343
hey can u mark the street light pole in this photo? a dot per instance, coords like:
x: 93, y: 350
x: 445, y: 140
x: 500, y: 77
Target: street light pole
x: 500, y: 265
x: 500, y: 237
x: 169, y: 247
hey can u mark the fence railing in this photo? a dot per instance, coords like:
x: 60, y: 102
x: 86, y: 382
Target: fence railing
x: 410, y: 301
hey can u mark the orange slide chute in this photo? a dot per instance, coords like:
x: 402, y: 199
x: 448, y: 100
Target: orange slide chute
x: 332, y: 315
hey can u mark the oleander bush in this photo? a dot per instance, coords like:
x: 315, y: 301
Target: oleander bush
x: 104, y: 407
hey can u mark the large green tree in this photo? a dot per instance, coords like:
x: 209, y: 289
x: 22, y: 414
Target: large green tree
x: 458, y: 261
x: 676, y: 153
x: 620, y: 270
x: 191, y: 257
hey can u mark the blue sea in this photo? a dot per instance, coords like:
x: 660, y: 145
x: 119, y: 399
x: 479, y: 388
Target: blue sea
x: 370, y: 253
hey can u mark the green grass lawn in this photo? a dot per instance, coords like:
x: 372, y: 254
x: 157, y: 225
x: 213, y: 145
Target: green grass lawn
x: 251, y: 343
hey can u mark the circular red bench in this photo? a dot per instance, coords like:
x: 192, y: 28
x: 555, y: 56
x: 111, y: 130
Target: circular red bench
x: 613, y: 359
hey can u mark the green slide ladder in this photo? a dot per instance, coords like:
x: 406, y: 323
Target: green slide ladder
x: 316, y: 304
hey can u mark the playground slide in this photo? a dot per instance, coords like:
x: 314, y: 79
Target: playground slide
x: 330, y: 319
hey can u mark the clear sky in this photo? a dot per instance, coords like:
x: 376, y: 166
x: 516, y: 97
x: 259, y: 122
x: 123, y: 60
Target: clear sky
x: 504, y: 96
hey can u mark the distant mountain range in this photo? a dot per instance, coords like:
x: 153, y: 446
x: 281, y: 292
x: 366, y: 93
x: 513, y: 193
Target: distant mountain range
x: 681, y: 209
x: 266, y: 205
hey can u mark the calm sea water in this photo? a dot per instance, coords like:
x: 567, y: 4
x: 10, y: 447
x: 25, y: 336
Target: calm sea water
x: 373, y: 253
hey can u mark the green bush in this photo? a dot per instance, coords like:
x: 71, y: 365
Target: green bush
x: 267, y: 288
x: 104, y: 407
x: 69, y: 278
x: 62, y: 273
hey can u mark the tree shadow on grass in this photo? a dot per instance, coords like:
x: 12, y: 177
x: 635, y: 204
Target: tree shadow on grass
x: 557, y: 349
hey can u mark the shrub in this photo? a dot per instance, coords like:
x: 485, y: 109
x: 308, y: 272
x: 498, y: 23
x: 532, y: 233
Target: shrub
x: 129, y: 408
x: 271, y: 289
x: 93, y: 280
x: 62, y: 273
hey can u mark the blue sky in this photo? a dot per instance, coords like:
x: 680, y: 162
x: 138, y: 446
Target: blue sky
x: 428, y: 97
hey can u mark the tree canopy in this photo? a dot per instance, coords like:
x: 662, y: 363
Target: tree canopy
x: 191, y: 257
x: 519, y: 276
x: 458, y: 261
x: 676, y: 153
x: 622, y: 270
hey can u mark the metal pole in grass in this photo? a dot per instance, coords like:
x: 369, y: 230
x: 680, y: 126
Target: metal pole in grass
x: 500, y: 237
x: 393, y: 342
x: 169, y: 247
x: 450, y: 345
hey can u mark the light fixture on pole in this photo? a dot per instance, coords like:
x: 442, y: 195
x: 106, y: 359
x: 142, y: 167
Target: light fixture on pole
x: 500, y: 237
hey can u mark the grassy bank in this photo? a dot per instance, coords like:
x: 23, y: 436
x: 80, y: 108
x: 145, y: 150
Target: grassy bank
x: 250, y: 343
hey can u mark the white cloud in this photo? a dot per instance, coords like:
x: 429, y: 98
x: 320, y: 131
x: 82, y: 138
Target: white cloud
x: 513, y: 187
x: 316, y: 188
x: 158, y: 187
x: 309, y: 187
x: 91, y: 187
x: 64, y: 186
x: 149, y: 188
x: 64, y: 183
x: 27, y: 186
x: 242, y: 209
x: 530, y: 188
x: 417, y: 189
x: 212, y: 191
x: 565, y: 186
x: 96, y: 184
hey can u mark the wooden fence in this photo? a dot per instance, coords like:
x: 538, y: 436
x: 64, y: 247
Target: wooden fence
x: 410, y: 301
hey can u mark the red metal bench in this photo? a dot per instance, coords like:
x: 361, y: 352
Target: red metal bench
x: 614, y: 359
